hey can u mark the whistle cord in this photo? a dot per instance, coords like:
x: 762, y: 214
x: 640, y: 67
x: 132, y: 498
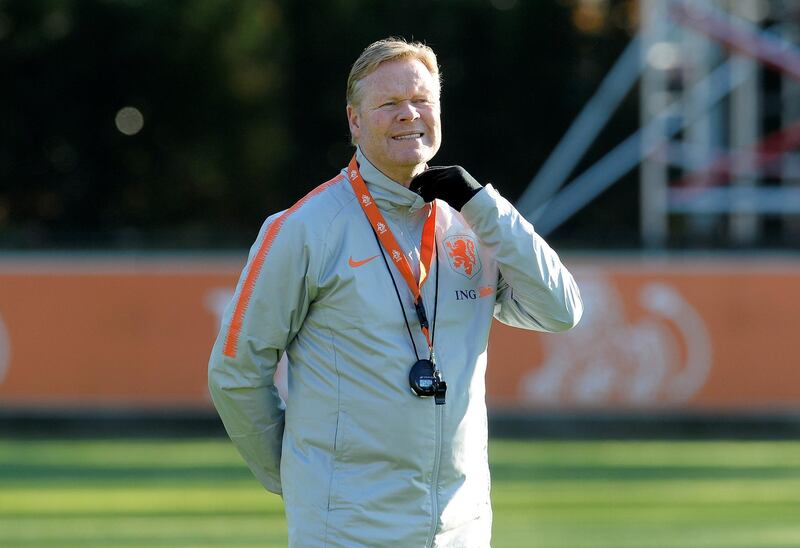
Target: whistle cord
x: 397, y: 292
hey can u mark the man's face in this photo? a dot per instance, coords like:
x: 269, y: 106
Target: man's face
x: 397, y: 122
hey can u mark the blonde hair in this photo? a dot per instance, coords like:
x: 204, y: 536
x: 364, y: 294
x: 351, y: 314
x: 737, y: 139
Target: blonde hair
x: 388, y: 49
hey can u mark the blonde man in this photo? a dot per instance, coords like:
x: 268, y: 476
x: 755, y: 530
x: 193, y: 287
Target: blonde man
x: 380, y: 286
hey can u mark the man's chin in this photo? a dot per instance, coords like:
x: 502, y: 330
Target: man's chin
x: 419, y: 156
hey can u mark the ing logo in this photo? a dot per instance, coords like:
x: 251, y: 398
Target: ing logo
x: 462, y: 254
x: 473, y: 294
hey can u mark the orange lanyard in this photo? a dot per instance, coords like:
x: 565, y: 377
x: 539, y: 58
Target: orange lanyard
x: 389, y: 243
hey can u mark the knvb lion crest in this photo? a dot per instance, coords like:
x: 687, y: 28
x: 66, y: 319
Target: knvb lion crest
x: 365, y: 200
x: 462, y: 253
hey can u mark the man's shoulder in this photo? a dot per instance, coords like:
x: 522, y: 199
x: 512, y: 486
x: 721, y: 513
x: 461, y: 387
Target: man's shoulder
x: 319, y: 206
x: 328, y: 196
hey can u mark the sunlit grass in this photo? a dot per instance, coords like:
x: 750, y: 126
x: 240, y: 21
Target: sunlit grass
x: 545, y: 494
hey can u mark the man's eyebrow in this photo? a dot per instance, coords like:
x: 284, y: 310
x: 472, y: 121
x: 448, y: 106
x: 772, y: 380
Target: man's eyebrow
x: 403, y: 97
x: 382, y: 99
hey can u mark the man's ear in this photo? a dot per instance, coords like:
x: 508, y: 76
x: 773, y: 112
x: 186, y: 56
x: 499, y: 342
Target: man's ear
x: 354, y: 121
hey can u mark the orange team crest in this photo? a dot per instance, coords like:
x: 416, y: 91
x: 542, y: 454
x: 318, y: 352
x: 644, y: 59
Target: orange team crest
x: 462, y: 254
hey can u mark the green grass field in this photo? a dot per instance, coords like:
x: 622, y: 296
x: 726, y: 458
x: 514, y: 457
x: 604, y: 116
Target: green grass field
x: 545, y: 494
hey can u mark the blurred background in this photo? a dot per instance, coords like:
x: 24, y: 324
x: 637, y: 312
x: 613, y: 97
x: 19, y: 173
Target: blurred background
x: 654, y: 143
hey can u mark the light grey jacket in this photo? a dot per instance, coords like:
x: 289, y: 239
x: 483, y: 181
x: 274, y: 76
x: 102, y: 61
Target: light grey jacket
x: 360, y: 460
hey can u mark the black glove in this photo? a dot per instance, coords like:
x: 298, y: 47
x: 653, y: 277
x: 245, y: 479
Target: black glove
x: 453, y: 184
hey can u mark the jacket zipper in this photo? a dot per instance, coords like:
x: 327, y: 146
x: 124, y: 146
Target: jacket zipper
x: 435, y: 475
x: 438, y: 419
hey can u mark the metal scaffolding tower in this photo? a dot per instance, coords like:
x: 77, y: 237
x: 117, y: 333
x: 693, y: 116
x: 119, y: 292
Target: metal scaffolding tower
x: 720, y: 119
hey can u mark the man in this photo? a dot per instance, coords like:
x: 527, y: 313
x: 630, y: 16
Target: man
x: 382, y: 297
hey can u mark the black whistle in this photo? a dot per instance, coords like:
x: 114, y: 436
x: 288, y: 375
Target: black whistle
x: 440, y: 389
x: 420, y: 308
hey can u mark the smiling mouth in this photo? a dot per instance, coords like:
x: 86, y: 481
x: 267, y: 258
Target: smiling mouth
x: 408, y: 137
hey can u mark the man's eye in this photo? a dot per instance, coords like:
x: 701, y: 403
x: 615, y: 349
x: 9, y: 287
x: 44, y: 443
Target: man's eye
x: 388, y: 104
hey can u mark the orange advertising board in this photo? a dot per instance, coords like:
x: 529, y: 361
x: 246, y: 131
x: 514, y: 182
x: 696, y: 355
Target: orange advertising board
x: 110, y: 332
x: 701, y: 335
x: 136, y: 333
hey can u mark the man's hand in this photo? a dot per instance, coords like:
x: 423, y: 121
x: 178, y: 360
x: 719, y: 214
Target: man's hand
x: 453, y: 184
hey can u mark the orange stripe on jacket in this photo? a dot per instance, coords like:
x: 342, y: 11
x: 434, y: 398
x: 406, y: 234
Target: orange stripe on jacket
x: 232, y: 339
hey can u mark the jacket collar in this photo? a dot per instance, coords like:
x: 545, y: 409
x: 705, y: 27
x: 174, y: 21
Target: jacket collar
x: 388, y: 194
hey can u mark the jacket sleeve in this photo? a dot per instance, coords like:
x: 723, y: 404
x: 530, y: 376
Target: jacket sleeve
x: 534, y: 289
x: 267, y: 310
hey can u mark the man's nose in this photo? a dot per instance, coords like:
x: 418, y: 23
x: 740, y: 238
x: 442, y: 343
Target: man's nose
x: 407, y: 111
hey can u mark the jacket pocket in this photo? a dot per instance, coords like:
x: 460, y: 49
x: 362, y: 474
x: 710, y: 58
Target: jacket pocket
x: 339, y: 445
x: 373, y: 467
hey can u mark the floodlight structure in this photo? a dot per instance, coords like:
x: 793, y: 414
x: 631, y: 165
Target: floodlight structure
x: 704, y: 109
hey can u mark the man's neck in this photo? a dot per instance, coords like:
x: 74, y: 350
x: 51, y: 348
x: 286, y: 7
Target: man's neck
x: 401, y: 175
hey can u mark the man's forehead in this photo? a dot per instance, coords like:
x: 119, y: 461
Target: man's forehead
x: 400, y: 75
